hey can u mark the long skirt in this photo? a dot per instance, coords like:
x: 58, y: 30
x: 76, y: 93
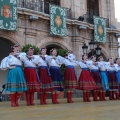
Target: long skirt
x: 46, y: 84
x: 97, y: 79
x: 31, y: 79
x: 112, y: 79
x: 104, y: 78
x: 70, y: 78
x: 15, y: 81
x: 57, y: 78
x: 86, y: 81
x: 118, y: 78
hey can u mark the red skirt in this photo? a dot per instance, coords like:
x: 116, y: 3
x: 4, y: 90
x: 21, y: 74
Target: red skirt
x: 31, y: 80
x: 46, y: 84
x: 112, y: 80
x: 70, y: 79
x: 97, y: 79
x: 86, y: 81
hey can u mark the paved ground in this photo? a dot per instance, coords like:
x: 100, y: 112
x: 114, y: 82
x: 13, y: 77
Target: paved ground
x: 78, y: 110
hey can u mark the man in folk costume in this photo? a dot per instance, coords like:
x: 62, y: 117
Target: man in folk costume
x: 70, y: 77
x: 46, y: 84
x: 15, y: 81
x: 104, y: 77
x: 96, y: 75
x: 56, y: 75
x: 86, y: 81
x: 112, y: 79
x: 31, y: 76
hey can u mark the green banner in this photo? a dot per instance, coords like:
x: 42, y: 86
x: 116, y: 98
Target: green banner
x: 8, y: 14
x: 57, y: 20
x: 99, y: 29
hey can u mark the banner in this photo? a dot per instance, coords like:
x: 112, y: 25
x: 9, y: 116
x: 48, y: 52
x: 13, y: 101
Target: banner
x: 8, y: 14
x: 57, y: 20
x: 99, y: 29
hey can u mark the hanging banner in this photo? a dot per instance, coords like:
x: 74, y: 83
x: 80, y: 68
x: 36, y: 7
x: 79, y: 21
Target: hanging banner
x: 8, y: 14
x: 99, y: 29
x: 57, y: 20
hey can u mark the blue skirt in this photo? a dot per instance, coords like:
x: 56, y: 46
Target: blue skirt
x: 57, y: 78
x: 104, y: 80
x: 118, y: 78
x: 15, y: 81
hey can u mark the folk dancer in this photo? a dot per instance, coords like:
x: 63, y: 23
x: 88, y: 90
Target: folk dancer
x: 112, y: 79
x: 31, y: 76
x: 70, y: 77
x: 86, y: 81
x: 15, y: 81
x: 56, y: 75
x: 102, y: 67
x: 46, y: 84
x: 117, y: 69
x: 97, y: 78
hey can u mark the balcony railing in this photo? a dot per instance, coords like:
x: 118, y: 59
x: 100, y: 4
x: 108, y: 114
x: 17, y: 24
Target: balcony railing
x: 40, y: 6
x: 89, y: 19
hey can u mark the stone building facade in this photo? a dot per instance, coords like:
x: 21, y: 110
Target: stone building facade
x: 37, y: 31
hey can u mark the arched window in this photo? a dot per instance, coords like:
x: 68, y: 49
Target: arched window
x: 47, y: 2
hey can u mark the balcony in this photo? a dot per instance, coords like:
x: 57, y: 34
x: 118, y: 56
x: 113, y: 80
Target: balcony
x: 40, y: 6
x: 89, y: 19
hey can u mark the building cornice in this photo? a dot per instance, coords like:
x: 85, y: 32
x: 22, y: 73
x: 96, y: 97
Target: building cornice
x: 42, y: 15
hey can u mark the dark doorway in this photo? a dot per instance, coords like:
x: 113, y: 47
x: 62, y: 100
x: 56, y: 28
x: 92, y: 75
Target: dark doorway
x: 49, y: 47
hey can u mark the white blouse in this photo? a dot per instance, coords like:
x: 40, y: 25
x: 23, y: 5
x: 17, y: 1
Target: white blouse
x: 30, y: 62
x: 102, y: 65
x: 117, y: 67
x: 42, y: 62
x: 83, y: 64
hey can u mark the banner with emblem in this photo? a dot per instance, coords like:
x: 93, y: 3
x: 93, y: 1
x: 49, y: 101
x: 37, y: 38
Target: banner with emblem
x: 57, y: 20
x: 99, y: 29
x: 8, y: 14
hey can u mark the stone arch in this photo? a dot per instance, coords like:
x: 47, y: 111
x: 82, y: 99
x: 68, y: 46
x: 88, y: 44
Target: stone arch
x: 11, y: 37
x: 55, y: 40
x: 103, y: 51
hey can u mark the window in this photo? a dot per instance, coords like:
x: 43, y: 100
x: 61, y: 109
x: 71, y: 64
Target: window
x: 93, y: 7
x: 47, y: 2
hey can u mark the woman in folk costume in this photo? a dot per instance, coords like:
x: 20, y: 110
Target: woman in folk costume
x: 56, y: 75
x: 96, y: 76
x: 15, y: 81
x: 31, y: 76
x: 46, y: 84
x: 117, y: 69
x: 70, y: 77
x: 102, y: 67
x: 86, y: 81
x: 112, y: 79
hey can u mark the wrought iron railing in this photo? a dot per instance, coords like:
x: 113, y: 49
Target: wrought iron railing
x: 39, y: 6
x: 89, y: 19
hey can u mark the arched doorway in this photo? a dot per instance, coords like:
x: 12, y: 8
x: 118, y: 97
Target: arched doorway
x: 94, y: 53
x: 5, y: 46
x: 49, y: 47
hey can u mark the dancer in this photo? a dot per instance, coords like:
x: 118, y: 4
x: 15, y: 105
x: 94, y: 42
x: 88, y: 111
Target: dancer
x: 56, y: 75
x: 117, y: 69
x: 112, y: 79
x: 15, y: 81
x: 96, y: 76
x: 70, y: 77
x: 46, y: 84
x: 104, y: 77
x: 31, y: 76
x: 86, y: 81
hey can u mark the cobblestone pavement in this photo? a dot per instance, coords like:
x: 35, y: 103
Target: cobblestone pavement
x: 107, y: 110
